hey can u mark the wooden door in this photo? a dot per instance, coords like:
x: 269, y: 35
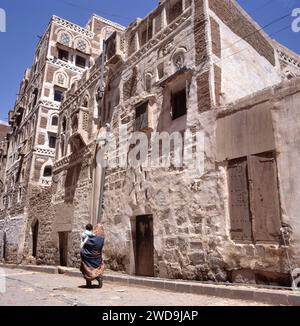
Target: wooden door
x: 63, y: 248
x: 265, y: 205
x: 144, y: 246
x: 240, y: 217
x: 35, y: 234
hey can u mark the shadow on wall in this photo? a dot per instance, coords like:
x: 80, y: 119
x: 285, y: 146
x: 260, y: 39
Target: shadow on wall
x: 72, y: 178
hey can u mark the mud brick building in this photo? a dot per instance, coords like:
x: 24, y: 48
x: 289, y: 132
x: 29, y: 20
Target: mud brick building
x: 236, y: 222
x: 63, y: 54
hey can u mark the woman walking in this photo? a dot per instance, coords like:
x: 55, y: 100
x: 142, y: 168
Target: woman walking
x: 92, y: 265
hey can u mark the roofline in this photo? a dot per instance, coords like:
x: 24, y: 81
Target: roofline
x: 106, y: 21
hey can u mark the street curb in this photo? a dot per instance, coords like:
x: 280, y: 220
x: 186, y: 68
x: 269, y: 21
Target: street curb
x: 33, y: 268
x: 266, y: 296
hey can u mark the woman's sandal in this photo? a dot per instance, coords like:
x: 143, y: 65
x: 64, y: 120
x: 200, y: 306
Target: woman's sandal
x: 100, y: 281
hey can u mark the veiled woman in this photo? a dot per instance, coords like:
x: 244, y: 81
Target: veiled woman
x: 92, y: 265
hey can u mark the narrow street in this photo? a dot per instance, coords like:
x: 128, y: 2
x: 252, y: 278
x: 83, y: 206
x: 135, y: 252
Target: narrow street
x: 39, y: 289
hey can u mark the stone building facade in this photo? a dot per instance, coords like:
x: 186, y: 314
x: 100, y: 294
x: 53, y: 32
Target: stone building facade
x: 198, y: 65
x: 4, y: 128
x: 62, y: 55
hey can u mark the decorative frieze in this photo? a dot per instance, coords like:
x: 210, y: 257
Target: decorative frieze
x: 45, y: 151
x: 283, y: 56
x: 49, y: 104
x: 65, y: 65
x: 73, y: 27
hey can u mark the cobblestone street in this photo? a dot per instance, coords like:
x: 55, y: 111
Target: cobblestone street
x: 32, y: 289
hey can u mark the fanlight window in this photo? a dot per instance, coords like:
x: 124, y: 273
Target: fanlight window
x: 60, y: 79
x: 65, y: 39
x: 82, y: 45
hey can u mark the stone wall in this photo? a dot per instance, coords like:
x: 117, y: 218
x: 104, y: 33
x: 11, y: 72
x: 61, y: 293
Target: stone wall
x: 14, y: 228
x: 191, y: 217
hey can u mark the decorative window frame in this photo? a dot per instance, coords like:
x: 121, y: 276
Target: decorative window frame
x: 51, y: 119
x: 58, y: 73
x: 59, y: 34
x: 88, y: 45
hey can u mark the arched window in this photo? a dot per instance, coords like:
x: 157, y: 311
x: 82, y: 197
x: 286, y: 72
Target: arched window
x: 48, y: 171
x: 85, y: 102
x: 148, y: 82
x: 64, y: 125
x: 54, y: 120
x: 35, y: 97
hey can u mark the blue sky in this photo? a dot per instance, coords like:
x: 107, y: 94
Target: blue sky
x: 26, y: 19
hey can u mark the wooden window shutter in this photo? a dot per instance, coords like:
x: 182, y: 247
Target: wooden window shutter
x: 264, y: 197
x: 241, y: 226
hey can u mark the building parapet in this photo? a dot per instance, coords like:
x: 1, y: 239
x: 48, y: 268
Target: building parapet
x: 73, y: 27
x: 108, y: 22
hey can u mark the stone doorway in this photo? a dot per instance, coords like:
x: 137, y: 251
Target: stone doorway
x: 35, y: 234
x: 63, y: 248
x: 144, y: 246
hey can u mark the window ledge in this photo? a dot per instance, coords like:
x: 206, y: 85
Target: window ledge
x: 179, y: 73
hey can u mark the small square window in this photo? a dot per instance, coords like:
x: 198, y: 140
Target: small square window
x: 178, y: 102
x: 48, y: 171
x: 58, y: 95
x: 63, y: 55
x: 80, y: 61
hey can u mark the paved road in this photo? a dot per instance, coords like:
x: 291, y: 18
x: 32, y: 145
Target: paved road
x: 32, y: 289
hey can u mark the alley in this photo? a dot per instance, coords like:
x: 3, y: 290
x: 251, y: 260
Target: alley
x: 33, y: 289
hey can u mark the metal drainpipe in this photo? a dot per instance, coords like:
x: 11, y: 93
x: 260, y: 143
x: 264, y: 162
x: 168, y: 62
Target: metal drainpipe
x: 101, y: 92
x: 101, y: 196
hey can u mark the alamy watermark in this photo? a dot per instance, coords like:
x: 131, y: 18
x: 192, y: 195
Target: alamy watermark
x: 2, y: 281
x: 177, y: 150
x: 296, y: 21
x: 2, y: 21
